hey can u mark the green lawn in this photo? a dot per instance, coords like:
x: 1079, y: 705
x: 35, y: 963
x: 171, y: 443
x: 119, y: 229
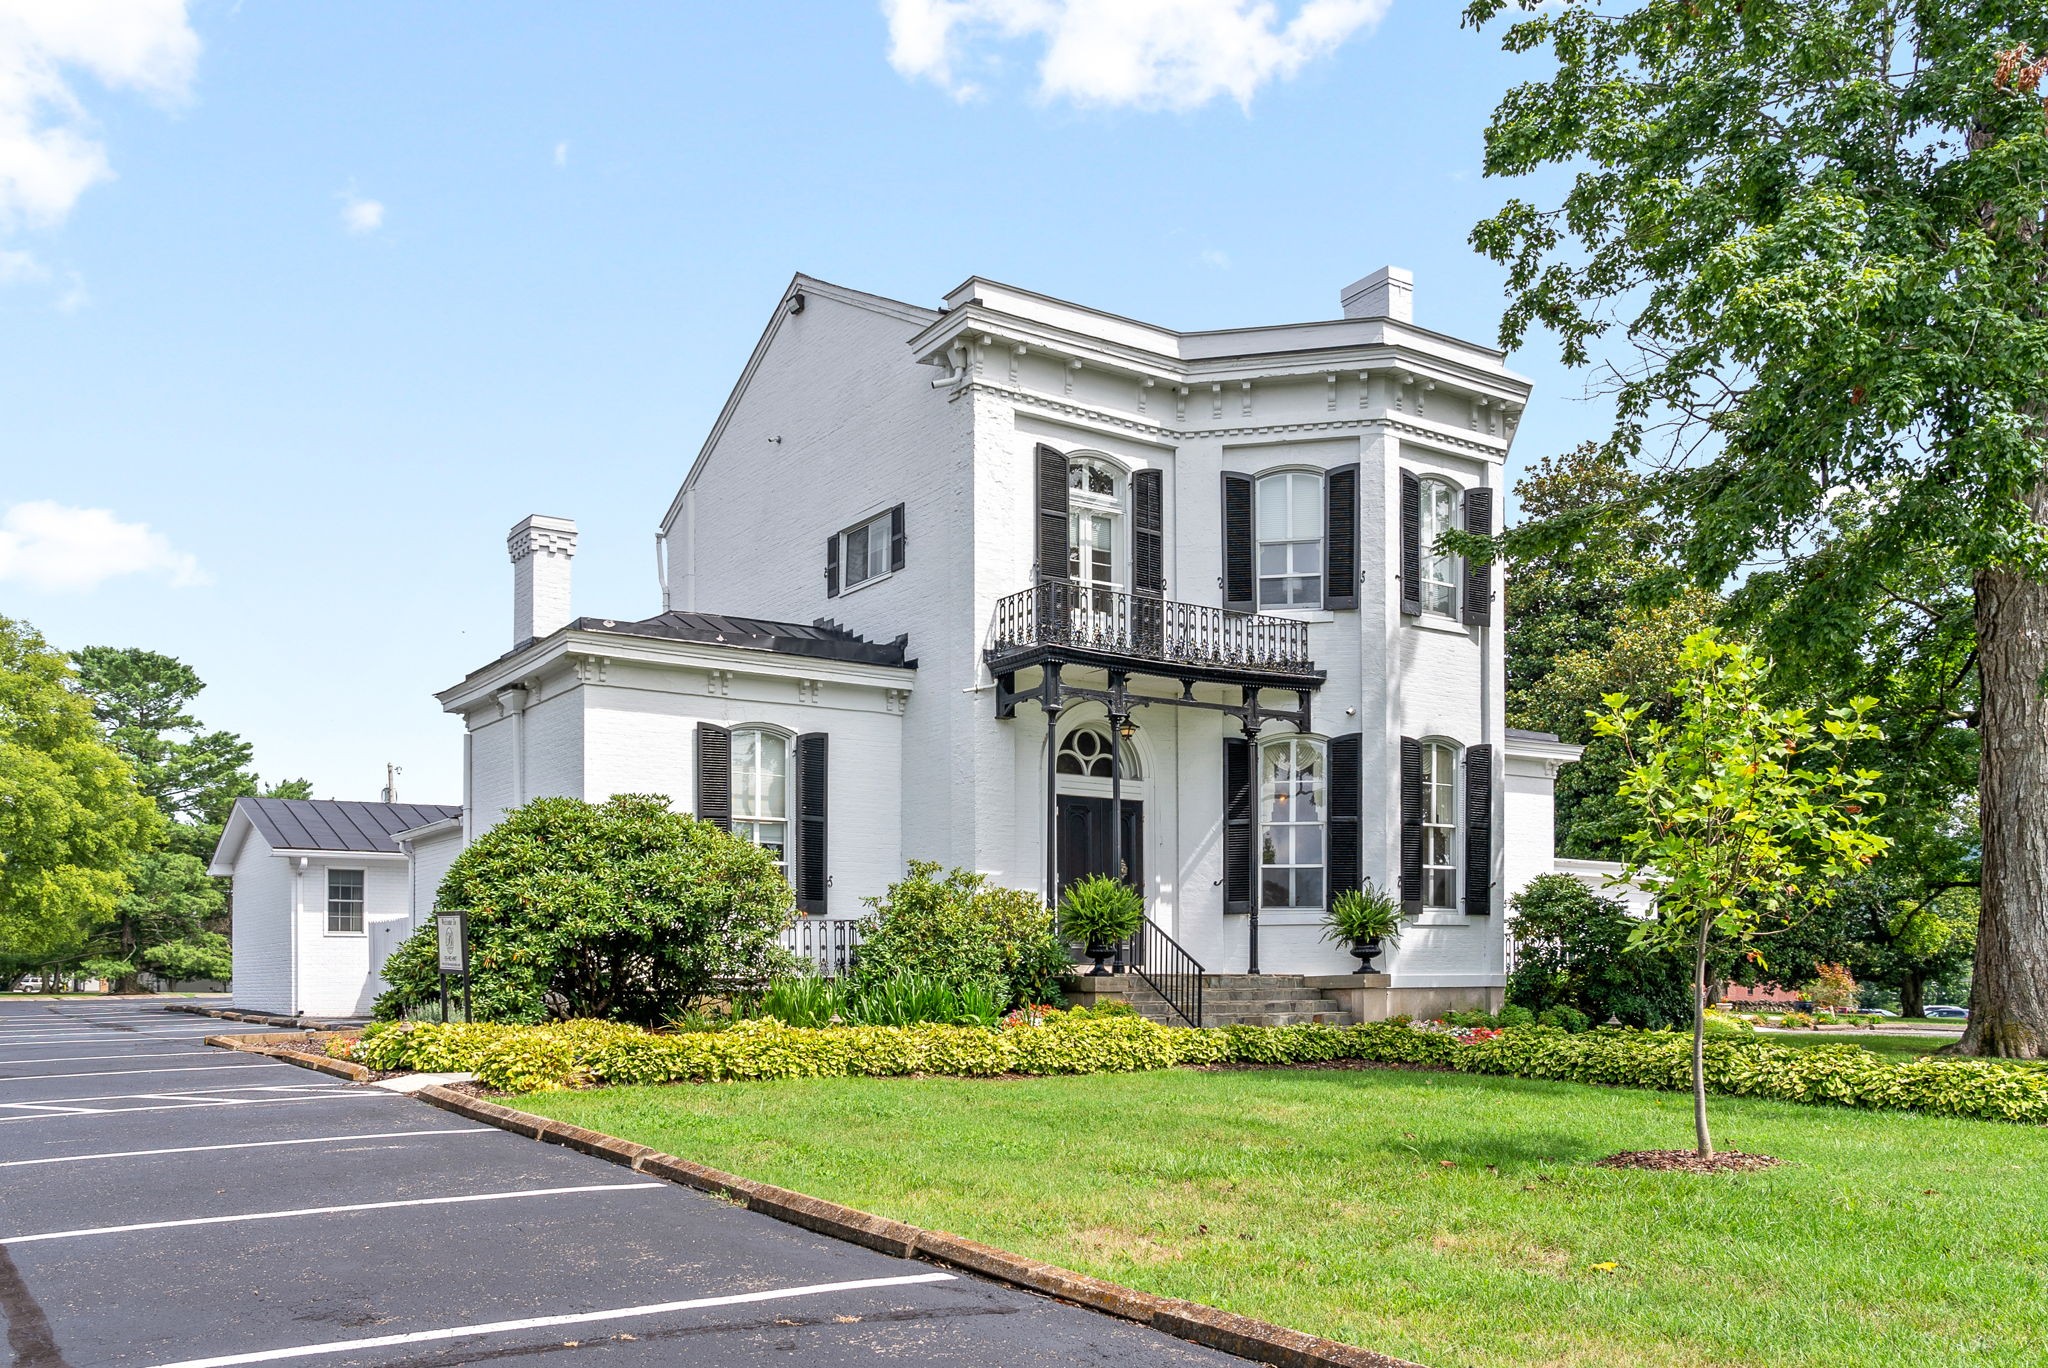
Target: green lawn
x: 1890, y: 1046
x: 1446, y: 1218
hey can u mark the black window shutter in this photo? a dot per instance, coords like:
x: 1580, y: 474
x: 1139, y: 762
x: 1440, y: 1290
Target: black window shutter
x: 896, y: 537
x: 832, y: 566
x: 811, y: 789
x: 1240, y: 579
x: 1411, y: 543
x: 1478, y: 596
x: 1411, y: 824
x: 1052, y: 514
x: 1148, y: 532
x: 714, y: 775
x: 1478, y: 830
x: 1342, y: 868
x: 1237, y: 824
x: 1340, y: 538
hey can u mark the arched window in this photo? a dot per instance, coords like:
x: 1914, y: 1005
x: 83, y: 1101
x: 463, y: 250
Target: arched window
x: 760, y: 790
x: 1439, y: 824
x: 1291, y: 540
x: 1085, y: 753
x: 1095, y: 514
x: 1439, y: 571
x: 1292, y: 810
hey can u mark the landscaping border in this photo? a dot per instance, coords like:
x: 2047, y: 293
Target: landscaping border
x: 261, y: 1018
x: 1242, y: 1336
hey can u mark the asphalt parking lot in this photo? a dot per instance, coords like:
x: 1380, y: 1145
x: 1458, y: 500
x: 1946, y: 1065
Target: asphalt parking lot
x: 162, y: 1203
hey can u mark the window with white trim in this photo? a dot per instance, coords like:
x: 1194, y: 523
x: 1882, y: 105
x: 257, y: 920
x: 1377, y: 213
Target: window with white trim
x: 1293, y: 807
x: 1439, y: 824
x: 1095, y: 516
x: 344, y: 902
x: 1439, y: 569
x: 760, y: 791
x: 1290, y: 523
x: 864, y: 551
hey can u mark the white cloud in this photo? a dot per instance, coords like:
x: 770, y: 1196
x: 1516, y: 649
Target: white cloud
x: 360, y: 215
x: 1147, y: 54
x: 1216, y: 258
x: 49, y: 154
x: 51, y: 546
x: 562, y: 153
x: 21, y: 268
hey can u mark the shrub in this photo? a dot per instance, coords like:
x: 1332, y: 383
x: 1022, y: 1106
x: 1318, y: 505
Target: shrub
x: 906, y: 999
x: 962, y: 929
x: 622, y: 910
x: 804, y: 1000
x: 1832, y: 989
x: 1100, y: 911
x: 1512, y: 1015
x: 1573, y: 951
x: 1564, y: 1018
x: 1796, y: 1021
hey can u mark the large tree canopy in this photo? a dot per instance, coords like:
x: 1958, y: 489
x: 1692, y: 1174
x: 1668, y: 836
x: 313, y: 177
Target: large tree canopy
x: 71, y: 820
x: 1811, y: 238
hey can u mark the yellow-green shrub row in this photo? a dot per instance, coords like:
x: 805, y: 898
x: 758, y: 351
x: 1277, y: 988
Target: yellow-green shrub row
x: 534, y: 1058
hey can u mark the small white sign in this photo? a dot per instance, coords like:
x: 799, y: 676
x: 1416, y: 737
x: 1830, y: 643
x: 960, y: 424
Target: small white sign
x: 449, y: 925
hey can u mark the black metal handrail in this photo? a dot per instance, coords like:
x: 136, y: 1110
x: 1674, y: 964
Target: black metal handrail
x: 828, y: 945
x: 1173, y: 973
x: 1059, y: 613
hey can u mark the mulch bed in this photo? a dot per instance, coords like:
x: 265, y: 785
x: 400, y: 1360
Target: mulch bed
x: 1688, y: 1161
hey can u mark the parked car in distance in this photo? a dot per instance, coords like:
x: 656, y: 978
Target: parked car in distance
x: 1947, y: 1013
x: 1874, y: 1011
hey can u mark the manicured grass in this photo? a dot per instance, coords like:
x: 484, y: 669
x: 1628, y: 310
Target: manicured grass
x: 1890, y: 1046
x: 1451, y: 1219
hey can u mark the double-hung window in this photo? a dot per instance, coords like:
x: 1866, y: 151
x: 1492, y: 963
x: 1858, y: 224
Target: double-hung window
x: 760, y: 790
x: 1439, y: 824
x: 344, y: 902
x: 1293, y: 807
x: 1290, y: 519
x: 1439, y: 570
x: 864, y: 551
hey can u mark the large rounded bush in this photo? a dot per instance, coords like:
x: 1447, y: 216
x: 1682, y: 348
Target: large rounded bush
x: 963, y: 930
x: 622, y: 910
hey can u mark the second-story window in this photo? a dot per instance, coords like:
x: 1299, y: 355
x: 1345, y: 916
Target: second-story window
x: 1439, y: 570
x: 1290, y: 519
x: 1095, y: 511
x: 865, y: 553
x: 760, y: 791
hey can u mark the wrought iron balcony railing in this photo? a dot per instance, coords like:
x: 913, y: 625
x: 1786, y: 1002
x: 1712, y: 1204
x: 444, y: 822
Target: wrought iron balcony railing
x: 1138, y: 625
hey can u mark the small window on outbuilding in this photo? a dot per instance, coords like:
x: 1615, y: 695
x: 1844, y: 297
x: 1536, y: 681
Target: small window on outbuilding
x: 344, y: 902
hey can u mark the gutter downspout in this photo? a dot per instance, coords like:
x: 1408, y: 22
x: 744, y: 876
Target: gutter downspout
x: 298, y: 907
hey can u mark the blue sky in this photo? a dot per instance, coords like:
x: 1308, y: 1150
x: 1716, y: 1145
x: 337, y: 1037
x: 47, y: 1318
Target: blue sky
x: 301, y: 306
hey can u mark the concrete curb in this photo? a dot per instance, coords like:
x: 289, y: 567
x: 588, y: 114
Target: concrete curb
x: 260, y: 1018
x: 1241, y: 1336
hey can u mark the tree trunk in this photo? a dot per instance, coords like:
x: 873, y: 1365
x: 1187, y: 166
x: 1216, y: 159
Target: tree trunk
x: 1699, y: 1038
x: 2009, y: 992
x: 1912, y: 996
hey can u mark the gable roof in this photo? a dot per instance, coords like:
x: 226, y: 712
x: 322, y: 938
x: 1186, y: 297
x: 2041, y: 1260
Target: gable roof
x: 823, y: 639
x: 326, y: 824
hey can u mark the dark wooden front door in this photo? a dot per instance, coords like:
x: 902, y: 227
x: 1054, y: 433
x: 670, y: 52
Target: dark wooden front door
x: 1084, y: 839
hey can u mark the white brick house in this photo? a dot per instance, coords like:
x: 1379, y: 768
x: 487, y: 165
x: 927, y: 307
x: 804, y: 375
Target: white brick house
x: 928, y: 561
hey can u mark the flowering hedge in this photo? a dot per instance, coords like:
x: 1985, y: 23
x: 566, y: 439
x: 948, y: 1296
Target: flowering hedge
x: 578, y: 1053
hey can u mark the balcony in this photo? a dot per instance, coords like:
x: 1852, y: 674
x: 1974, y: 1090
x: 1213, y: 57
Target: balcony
x: 1059, y: 621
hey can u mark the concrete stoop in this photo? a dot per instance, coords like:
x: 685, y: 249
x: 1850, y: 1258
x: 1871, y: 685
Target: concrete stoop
x: 1227, y: 1000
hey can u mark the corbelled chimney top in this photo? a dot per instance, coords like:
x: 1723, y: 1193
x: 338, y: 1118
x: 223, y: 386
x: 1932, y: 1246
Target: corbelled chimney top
x: 541, y: 548
x: 1388, y: 292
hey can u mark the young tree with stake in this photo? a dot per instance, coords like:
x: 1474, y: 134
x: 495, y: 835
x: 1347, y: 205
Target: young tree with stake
x: 1749, y: 820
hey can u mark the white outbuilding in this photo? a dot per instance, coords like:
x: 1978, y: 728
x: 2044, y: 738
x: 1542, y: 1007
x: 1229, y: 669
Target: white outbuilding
x: 323, y: 893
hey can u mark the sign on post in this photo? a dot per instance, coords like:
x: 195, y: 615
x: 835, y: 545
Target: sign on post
x: 452, y: 933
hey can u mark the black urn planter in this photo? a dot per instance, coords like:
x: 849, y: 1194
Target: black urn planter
x: 1099, y: 953
x: 1367, y: 949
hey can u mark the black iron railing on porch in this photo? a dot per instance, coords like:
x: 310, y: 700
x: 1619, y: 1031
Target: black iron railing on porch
x: 1173, y: 973
x: 828, y: 945
x: 1062, y: 614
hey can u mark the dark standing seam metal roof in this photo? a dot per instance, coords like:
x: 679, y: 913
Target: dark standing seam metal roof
x: 822, y: 639
x: 324, y: 824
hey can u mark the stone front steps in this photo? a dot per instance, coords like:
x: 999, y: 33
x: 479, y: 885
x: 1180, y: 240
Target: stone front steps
x: 1243, y: 1000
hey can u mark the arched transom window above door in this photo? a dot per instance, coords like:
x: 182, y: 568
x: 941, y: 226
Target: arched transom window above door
x: 1085, y: 754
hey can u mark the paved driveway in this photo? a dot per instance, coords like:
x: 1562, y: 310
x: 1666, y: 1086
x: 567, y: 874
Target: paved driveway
x: 162, y: 1203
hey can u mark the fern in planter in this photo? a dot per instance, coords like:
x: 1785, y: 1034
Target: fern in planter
x: 1100, y: 913
x: 1363, y: 918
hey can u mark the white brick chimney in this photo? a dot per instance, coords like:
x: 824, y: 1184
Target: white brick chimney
x: 1388, y: 292
x: 541, y: 548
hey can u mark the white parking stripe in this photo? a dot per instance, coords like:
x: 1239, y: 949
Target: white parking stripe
x: 164, y: 1094
x: 327, y: 1211
x: 547, y: 1322
x: 242, y: 1145
x: 132, y: 1054
x: 116, y: 1073
x: 342, y: 1096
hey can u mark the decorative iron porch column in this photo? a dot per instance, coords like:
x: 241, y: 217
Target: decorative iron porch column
x: 1251, y: 736
x: 1049, y: 699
